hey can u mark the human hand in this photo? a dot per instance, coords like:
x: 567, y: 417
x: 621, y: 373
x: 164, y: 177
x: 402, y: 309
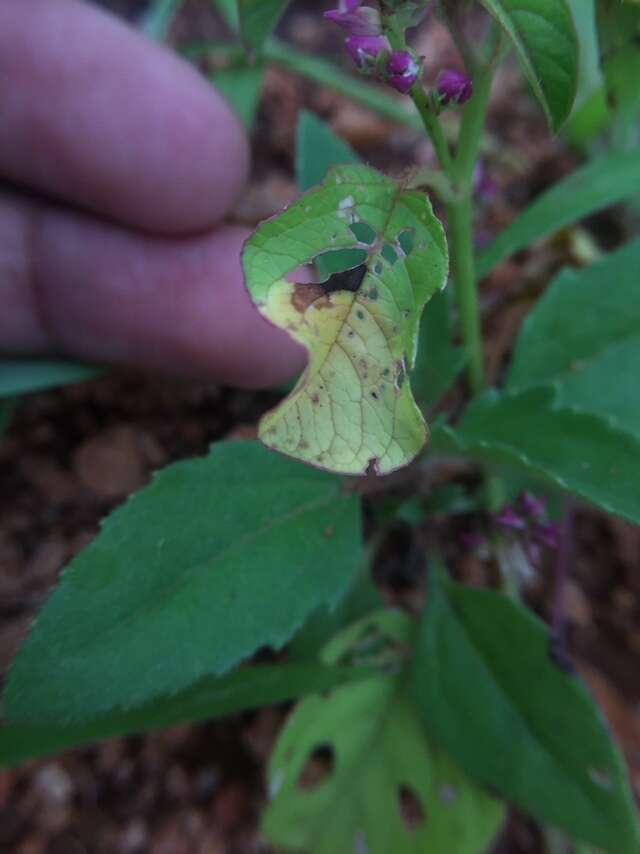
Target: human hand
x: 120, y: 160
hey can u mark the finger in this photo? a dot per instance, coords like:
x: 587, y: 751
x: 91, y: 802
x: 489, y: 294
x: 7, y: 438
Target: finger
x: 80, y: 287
x: 94, y: 113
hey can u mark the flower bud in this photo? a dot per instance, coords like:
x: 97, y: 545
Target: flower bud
x: 454, y: 87
x: 356, y: 20
x: 403, y: 69
x: 365, y: 50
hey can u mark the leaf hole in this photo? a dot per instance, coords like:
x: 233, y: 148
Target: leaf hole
x: 406, y: 241
x: 389, y: 254
x: 411, y: 809
x: 338, y: 261
x: 363, y: 232
x: 319, y: 766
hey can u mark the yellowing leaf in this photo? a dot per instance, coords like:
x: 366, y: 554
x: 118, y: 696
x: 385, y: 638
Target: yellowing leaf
x: 352, y: 410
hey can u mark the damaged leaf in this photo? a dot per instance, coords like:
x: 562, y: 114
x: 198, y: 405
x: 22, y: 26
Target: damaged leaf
x: 354, y: 769
x: 352, y: 410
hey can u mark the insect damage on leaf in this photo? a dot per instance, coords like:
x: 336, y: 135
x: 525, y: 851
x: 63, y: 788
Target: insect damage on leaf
x: 351, y: 411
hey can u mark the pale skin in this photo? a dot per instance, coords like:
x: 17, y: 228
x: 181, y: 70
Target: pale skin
x: 118, y: 163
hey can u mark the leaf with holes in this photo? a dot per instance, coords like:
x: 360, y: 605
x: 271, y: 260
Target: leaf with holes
x: 352, y: 410
x: 486, y: 687
x: 355, y: 771
x: 544, y: 37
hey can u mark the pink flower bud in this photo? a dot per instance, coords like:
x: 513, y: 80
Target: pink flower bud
x: 454, y: 87
x: 533, y: 506
x: 508, y: 518
x: 403, y: 69
x: 356, y: 20
x: 365, y: 50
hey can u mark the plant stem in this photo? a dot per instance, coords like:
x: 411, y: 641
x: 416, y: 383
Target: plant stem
x: 433, y: 128
x: 460, y: 216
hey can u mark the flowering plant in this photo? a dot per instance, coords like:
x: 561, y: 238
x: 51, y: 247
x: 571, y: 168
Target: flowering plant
x: 414, y: 728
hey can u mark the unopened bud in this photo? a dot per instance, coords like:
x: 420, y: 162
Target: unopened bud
x: 454, y: 87
x: 403, y: 69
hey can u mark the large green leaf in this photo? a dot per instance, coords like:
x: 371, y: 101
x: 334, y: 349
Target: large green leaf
x: 380, y: 753
x: 258, y: 19
x: 604, y: 181
x: 579, y: 452
x: 584, y: 334
x: 245, y: 688
x: 351, y: 410
x: 543, y: 35
x: 23, y: 376
x: 216, y: 558
x: 490, y: 694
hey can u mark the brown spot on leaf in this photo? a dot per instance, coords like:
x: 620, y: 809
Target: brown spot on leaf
x: 315, y: 399
x: 305, y: 295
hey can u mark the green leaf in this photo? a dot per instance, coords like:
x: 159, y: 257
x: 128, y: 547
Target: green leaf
x: 362, y: 598
x: 543, y: 35
x: 619, y: 29
x: 577, y: 451
x: 317, y: 150
x: 490, y: 694
x: 241, y: 85
x: 216, y: 558
x: 351, y: 410
x: 589, y: 73
x: 157, y: 21
x: 604, y: 181
x: 228, y: 9
x: 246, y: 688
x: 379, y: 754
x: 23, y: 376
x: 258, y: 19
x: 594, y: 362
x: 439, y: 361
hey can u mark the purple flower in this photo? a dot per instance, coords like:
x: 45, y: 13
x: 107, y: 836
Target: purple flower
x: 365, y: 41
x: 485, y: 187
x: 533, y: 506
x: 508, y: 518
x: 403, y: 69
x: 365, y: 50
x: 454, y: 87
x: 356, y: 20
x: 547, y: 535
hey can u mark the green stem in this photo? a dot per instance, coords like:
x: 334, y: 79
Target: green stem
x: 460, y: 217
x: 433, y: 128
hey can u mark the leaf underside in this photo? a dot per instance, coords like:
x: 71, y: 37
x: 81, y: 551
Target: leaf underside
x: 352, y: 410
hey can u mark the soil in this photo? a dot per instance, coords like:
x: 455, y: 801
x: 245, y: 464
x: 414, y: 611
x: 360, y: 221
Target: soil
x: 73, y: 454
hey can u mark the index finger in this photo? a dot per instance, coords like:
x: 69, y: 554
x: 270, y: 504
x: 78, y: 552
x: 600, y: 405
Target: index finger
x: 94, y: 113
